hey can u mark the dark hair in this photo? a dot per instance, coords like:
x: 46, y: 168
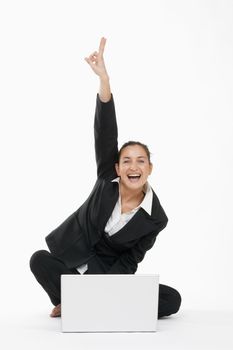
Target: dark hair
x: 133, y: 143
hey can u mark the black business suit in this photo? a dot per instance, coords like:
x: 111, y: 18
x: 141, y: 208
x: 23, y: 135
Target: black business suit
x: 81, y: 238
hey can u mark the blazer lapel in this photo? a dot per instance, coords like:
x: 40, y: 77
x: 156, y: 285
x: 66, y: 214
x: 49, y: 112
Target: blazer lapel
x: 108, y: 202
x: 140, y: 225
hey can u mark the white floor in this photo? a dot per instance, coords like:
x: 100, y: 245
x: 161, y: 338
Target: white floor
x: 188, y: 330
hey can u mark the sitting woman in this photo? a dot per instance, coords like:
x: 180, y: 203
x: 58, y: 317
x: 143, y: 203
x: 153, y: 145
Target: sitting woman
x: 120, y: 220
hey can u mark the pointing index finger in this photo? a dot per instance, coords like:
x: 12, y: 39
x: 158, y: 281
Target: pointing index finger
x: 102, y: 45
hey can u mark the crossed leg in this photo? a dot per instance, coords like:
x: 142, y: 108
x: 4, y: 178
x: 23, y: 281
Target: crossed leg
x: 47, y: 269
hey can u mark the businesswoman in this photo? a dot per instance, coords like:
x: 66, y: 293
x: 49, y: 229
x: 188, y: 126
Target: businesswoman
x: 120, y: 220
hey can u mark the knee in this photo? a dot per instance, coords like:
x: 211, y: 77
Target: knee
x: 170, y: 300
x: 37, y: 259
x: 175, y: 300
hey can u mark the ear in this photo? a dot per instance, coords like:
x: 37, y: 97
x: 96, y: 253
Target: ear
x: 151, y: 168
x: 117, y: 169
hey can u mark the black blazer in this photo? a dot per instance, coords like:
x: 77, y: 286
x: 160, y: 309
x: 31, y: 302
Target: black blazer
x: 74, y: 241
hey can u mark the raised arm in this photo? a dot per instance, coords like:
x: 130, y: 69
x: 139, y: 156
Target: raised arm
x: 105, y: 124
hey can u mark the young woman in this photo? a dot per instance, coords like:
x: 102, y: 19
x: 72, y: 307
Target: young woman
x: 120, y: 220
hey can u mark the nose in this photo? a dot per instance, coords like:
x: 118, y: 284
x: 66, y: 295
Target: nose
x: 133, y: 166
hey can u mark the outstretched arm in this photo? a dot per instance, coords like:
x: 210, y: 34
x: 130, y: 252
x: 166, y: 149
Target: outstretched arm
x: 105, y: 124
x: 128, y: 262
x: 96, y: 62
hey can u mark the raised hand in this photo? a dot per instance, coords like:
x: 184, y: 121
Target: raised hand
x: 96, y: 60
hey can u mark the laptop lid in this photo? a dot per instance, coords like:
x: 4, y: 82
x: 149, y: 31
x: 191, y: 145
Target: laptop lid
x: 109, y: 303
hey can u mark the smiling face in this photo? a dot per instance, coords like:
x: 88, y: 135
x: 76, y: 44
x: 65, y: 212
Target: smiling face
x: 133, y: 167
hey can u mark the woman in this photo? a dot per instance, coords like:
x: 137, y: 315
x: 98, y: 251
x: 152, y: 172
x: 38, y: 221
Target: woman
x: 111, y: 232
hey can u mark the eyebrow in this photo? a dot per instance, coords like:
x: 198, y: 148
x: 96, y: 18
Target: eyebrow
x: 137, y: 157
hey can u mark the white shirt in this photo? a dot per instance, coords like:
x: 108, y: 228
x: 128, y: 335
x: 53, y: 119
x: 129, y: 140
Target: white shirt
x: 118, y: 220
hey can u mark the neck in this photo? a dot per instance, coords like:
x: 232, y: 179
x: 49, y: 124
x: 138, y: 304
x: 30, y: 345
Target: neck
x: 129, y: 194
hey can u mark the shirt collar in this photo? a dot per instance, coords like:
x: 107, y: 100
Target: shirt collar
x: 147, y: 200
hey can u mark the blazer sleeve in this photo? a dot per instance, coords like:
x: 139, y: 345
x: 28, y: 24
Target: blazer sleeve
x: 106, y: 134
x: 128, y: 261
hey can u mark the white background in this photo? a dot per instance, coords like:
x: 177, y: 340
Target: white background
x: 171, y: 71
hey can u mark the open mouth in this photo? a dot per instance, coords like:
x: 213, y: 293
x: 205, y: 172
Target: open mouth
x: 134, y: 178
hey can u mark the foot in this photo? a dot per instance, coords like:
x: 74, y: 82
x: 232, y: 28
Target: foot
x: 56, y: 312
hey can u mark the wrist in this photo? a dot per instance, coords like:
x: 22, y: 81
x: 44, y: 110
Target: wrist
x: 104, y: 77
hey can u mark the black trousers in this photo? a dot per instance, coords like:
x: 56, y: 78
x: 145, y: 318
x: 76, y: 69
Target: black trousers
x: 47, y: 270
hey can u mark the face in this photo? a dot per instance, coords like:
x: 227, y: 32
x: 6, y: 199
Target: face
x: 133, y: 167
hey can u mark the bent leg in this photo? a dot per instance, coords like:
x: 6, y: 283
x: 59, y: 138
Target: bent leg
x: 169, y: 301
x: 48, y: 270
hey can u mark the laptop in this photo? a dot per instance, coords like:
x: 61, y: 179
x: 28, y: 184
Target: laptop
x: 109, y: 303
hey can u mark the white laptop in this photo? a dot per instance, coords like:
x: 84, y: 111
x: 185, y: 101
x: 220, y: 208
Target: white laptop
x: 109, y: 303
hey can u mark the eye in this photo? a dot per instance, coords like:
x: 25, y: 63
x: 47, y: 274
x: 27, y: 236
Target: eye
x: 141, y: 161
x: 125, y: 161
